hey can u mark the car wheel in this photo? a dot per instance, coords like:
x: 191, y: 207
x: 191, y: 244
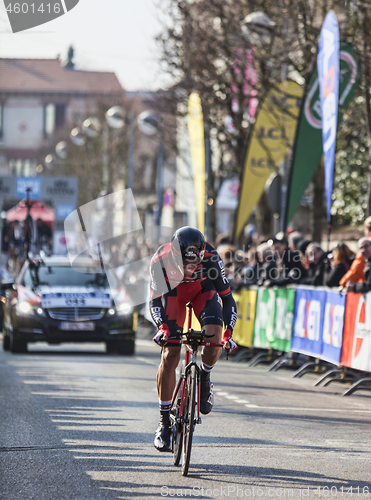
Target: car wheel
x: 6, y: 342
x: 125, y: 347
x: 16, y: 345
x: 110, y: 347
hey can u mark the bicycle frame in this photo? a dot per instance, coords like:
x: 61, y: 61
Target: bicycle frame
x: 193, y: 342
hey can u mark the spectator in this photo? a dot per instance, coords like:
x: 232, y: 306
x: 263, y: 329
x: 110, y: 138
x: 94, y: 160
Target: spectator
x: 340, y: 261
x: 6, y: 233
x: 317, y: 260
x: 223, y: 239
x: 291, y: 270
x: 266, y: 269
x: 294, y: 239
x: 234, y: 262
x: 249, y: 232
x: 227, y: 252
x: 44, y: 234
x: 364, y: 245
x: 356, y: 272
x: 302, y: 246
x: 249, y: 273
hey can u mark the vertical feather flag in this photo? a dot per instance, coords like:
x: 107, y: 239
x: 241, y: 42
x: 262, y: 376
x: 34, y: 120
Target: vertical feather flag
x: 273, y: 136
x: 328, y: 64
x: 197, y: 147
x: 308, y: 144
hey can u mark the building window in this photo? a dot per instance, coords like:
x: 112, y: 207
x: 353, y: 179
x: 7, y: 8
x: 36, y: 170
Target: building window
x: 54, y: 118
x: 60, y: 116
x: 22, y: 167
x: 1, y: 120
x: 49, y: 119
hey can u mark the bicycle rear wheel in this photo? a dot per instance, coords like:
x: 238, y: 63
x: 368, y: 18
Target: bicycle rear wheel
x: 189, y: 420
x: 177, y: 430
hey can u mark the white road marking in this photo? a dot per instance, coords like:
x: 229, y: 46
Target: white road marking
x: 234, y: 398
x: 292, y: 408
x: 144, y: 360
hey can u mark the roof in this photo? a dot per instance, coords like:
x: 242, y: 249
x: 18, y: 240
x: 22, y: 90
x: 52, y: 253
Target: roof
x: 48, y: 76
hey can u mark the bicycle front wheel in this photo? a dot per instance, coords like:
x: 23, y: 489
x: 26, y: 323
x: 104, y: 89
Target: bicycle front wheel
x: 177, y: 429
x: 189, y: 420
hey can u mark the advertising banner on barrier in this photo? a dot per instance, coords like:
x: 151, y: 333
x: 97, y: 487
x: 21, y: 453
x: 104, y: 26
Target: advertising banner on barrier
x: 264, y: 318
x: 243, y: 333
x: 333, y: 323
x: 283, y: 319
x: 274, y: 318
x: 356, y: 351
x: 308, y: 321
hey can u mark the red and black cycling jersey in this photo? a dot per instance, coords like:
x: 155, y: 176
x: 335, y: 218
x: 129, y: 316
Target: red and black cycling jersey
x: 168, y: 283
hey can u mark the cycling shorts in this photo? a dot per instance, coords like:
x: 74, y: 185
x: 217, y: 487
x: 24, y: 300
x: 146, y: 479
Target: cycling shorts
x: 206, y: 304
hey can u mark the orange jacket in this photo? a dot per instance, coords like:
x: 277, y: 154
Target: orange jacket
x: 356, y: 273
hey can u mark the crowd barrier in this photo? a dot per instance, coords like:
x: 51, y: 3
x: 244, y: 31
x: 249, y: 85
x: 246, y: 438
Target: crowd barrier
x: 356, y: 346
x: 265, y: 317
x: 315, y: 321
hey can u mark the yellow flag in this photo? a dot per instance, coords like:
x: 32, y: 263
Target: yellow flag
x: 273, y: 136
x: 197, y: 148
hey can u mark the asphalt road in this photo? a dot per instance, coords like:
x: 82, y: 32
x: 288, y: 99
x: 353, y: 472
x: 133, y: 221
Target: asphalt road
x: 78, y: 424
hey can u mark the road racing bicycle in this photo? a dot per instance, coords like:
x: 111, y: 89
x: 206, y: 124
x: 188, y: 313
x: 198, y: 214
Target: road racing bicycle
x: 185, y: 405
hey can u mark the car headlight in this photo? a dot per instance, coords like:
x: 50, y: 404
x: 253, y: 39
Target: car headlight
x: 124, y: 309
x: 24, y: 309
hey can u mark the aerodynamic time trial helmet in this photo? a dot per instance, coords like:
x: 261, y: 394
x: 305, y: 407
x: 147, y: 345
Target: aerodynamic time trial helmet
x: 187, y: 246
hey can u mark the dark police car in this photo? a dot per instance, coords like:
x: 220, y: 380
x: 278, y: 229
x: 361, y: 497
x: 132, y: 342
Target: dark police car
x: 50, y: 301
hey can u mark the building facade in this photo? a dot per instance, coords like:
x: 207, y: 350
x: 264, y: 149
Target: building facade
x: 41, y: 97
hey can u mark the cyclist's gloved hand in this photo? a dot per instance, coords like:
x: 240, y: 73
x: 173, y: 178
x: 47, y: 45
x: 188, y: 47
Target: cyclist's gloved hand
x: 162, y: 335
x: 229, y: 344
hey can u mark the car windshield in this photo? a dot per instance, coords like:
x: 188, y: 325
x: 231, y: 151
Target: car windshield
x: 44, y: 275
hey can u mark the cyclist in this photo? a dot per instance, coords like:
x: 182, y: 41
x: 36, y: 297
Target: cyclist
x: 188, y: 269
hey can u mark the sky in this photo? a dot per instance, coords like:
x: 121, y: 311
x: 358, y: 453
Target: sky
x: 107, y: 35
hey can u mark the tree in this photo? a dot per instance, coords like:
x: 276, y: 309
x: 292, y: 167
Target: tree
x: 203, y: 48
x: 352, y: 160
x: 358, y: 34
x: 104, y: 154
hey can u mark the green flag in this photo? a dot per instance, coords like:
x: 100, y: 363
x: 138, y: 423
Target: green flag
x: 308, y: 146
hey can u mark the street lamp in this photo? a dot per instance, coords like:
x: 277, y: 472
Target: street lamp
x: 258, y: 28
x: 149, y: 124
x: 49, y: 161
x: 77, y: 137
x: 115, y: 117
x: 61, y: 150
x: 92, y: 127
